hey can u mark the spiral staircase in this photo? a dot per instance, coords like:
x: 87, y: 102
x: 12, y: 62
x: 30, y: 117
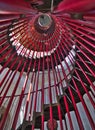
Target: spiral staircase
x: 47, y: 65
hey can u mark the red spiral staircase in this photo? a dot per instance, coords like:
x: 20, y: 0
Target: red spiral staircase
x: 52, y: 45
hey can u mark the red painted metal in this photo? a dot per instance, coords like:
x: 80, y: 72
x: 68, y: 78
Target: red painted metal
x: 58, y: 65
x: 78, y: 6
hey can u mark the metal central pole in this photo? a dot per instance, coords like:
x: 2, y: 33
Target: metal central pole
x: 52, y: 5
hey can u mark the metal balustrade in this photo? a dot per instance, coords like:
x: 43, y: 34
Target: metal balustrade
x: 47, y: 74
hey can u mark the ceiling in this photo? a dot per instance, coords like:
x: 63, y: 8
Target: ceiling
x: 44, y: 5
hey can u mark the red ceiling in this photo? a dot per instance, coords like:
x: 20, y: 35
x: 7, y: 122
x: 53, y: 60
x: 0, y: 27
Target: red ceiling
x: 77, y: 5
x: 65, y: 5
